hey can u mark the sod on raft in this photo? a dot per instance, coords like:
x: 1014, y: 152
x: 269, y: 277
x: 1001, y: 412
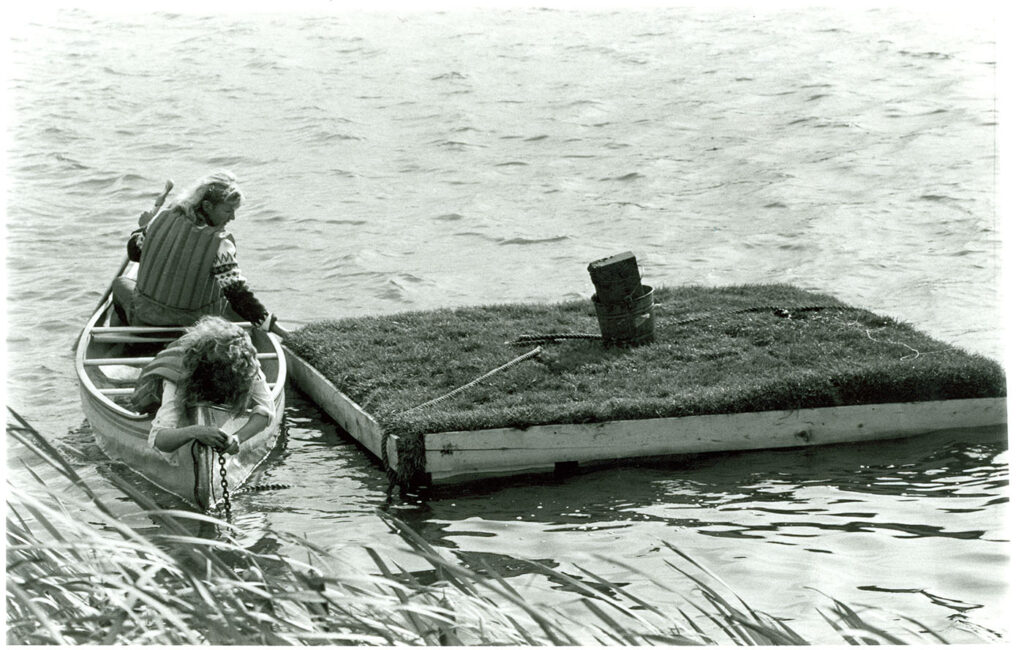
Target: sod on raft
x: 716, y: 350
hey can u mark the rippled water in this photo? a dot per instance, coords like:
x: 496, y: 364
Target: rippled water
x: 416, y: 160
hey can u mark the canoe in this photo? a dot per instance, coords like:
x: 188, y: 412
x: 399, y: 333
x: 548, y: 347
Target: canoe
x: 108, y: 359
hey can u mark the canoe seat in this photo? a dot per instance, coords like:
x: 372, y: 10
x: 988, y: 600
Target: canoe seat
x: 140, y: 329
x: 141, y: 361
x: 120, y: 392
x: 132, y: 338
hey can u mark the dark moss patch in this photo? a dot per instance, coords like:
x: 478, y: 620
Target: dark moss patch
x: 716, y: 350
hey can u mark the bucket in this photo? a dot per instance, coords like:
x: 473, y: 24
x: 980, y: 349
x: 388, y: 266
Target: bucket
x: 630, y: 322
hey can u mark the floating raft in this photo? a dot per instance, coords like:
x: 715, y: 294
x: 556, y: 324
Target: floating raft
x: 730, y: 368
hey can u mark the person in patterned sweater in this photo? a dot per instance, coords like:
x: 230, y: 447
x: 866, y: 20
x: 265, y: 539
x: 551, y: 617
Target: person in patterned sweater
x: 188, y: 264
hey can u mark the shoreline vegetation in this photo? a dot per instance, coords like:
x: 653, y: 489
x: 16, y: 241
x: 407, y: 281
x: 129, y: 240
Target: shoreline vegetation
x: 76, y: 574
x: 716, y: 350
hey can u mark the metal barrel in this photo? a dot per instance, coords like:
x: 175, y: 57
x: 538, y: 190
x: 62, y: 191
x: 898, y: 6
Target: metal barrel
x: 627, y: 322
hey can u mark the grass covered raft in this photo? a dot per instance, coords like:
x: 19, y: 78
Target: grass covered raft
x: 721, y: 350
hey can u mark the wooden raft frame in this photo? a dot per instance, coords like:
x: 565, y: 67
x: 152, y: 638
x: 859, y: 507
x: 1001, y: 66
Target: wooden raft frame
x: 457, y: 456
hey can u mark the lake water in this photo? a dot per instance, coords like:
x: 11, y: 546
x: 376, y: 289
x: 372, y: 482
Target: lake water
x: 398, y: 161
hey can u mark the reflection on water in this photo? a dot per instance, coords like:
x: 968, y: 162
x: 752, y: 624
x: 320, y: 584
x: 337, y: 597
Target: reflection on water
x: 962, y: 465
x: 846, y: 519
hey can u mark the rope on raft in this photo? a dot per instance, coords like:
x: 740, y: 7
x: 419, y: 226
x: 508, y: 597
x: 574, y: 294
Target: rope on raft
x: 530, y: 339
x: 532, y: 353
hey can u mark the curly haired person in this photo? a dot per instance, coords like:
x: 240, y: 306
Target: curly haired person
x: 213, y: 363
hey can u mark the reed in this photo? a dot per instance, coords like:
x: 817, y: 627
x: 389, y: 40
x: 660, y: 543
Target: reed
x: 76, y: 574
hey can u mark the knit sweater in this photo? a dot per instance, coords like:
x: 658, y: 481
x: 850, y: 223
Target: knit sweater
x: 229, y: 278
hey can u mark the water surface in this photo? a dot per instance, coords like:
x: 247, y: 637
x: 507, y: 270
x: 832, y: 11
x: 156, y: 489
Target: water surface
x: 417, y: 160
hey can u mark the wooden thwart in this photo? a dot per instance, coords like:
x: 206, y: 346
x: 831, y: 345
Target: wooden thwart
x: 116, y: 392
x: 141, y: 361
x: 131, y: 338
x: 133, y: 329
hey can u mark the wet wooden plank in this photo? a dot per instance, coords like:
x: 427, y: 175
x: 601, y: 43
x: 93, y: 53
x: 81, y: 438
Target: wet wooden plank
x: 491, y: 452
x: 349, y: 415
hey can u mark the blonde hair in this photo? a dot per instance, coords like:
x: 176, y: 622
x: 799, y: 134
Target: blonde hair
x: 220, y: 364
x: 217, y: 187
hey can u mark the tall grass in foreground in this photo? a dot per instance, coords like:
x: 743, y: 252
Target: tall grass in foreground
x: 76, y: 574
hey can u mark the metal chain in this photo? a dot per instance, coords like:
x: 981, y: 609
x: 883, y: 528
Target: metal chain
x: 224, y: 485
x: 262, y: 487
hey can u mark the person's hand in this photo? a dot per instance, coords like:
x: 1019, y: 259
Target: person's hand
x: 213, y: 437
x: 232, y: 444
x: 276, y: 328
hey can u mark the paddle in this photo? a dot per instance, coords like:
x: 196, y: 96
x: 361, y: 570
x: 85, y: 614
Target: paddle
x: 110, y: 286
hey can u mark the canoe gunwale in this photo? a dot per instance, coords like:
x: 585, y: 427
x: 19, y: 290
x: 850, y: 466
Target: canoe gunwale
x: 84, y: 378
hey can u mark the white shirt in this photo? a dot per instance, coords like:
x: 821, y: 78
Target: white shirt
x: 171, y: 414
